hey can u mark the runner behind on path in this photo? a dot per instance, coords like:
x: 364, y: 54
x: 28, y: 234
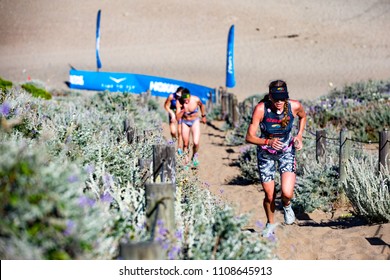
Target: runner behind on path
x: 274, y: 116
x: 174, y: 124
x: 188, y: 111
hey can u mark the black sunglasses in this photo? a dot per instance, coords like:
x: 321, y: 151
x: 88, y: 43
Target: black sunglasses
x: 279, y: 99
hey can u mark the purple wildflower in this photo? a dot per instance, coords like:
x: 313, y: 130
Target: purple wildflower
x: 70, y: 226
x: 244, y: 149
x: 106, y: 197
x: 5, y: 109
x: 73, y: 179
x: 272, y: 238
x: 165, y: 245
x: 85, y: 201
x: 90, y: 168
x: 179, y: 234
x: 173, y: 252
x: 107, y: 180
x: 259, y: 224
x: 160, y: 223
x: 141, y: 226
x: 68, y: 139
x: 162, y: 231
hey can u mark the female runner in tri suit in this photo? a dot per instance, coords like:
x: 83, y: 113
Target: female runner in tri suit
x: 274, y: 116
x: 174, y: 125
x: 188, y: 111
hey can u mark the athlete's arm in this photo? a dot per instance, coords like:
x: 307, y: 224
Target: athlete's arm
x: 300, y: 112
x: 202, y: 110
x: 257, y: 117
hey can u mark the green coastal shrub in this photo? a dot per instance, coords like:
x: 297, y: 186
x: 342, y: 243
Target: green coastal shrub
x: 36, y: 92
x: 5, y: 85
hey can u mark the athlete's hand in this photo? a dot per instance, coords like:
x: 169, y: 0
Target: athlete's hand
x: 298, y: 143
x: 173, y: 118
x: 203, y: 119
x: 276, y: 144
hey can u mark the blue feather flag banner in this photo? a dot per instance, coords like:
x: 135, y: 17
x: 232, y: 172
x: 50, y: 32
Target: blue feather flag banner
x: 98, y: 62
x: 230, y: 79
x: 135, y: 83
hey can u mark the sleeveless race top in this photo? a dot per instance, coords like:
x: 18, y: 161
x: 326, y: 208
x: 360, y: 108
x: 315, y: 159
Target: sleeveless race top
x: 173, y: 102
x: 270, y: 127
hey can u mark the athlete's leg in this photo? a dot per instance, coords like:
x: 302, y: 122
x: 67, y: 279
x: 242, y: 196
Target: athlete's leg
x: 266, y: 166
x: 195, y: 129
x: 185, y: 133
x: 269, y: 200
x: 179, y: 136
x: 288, y: 183
x: 172, y: 127
x: 287, y: 167
x: 288, y: 177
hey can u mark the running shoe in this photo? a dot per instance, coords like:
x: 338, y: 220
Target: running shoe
x: 195, y: 160
x: 289, y: 216
x: 269, y: 230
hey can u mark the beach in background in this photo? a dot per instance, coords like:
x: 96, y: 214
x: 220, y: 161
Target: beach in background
x: 314, y: 45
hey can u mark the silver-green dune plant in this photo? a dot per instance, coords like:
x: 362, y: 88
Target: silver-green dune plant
x: 44, y: 211
x: 85, y: 133
x: 360, y: 107
x: 368, y: 190
x: 209, y: 227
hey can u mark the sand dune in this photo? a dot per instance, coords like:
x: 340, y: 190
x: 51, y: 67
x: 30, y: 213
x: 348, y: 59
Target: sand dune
x: 313, y: 45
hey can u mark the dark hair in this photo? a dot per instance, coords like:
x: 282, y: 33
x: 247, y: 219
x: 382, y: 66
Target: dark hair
x: 184, y: 92
x: 280, y: 83
x: 179, y: 89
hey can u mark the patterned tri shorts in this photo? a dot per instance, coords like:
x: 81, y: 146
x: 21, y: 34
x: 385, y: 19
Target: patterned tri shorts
x: 266, y: 163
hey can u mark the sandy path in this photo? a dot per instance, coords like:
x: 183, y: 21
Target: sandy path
x: 315, y: 235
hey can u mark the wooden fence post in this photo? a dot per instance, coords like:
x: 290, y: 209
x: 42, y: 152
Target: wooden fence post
x: 145, y: 166
x: 164, y: 164
x: 160, y: 206
x: 209, y: 104
x: 148, y: 250
x: 130, y: 136
x: 224, y: 105
x: 234, y: 114
x: 160, y: 210
x: 230, y: 108
x: 218, y: 96
x: 384, y: 150
x: 320, y: 144
x: 345, y: 150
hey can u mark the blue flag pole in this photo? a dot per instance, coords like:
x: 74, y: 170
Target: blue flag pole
x: 230, y: 79
x: 98, y: 62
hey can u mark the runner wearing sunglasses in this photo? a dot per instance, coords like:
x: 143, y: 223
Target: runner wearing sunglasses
x: 274, y: 116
